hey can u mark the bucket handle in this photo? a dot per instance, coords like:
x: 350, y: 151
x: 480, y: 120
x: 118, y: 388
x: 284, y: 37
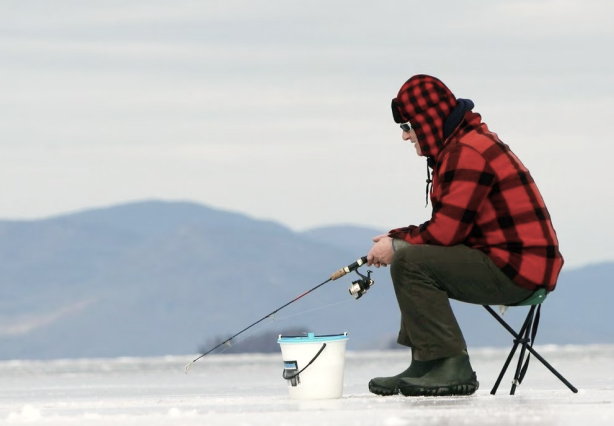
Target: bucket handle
x: 304, y: 368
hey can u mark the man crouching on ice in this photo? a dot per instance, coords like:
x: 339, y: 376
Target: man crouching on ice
x: 489, y: 241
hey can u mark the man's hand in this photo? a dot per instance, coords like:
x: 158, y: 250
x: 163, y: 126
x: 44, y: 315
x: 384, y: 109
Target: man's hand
x: 381, y: 253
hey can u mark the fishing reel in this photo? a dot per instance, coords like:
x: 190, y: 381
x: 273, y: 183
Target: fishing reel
x: 360, y: 286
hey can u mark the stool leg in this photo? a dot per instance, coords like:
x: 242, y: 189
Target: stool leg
x: 502, y: 373
x: 512, y: 352
x: 552, y: 370
x: 524, y: 341
x: 530, y: 349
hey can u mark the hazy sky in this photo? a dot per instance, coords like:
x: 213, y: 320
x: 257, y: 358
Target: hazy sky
x: 280, y: 109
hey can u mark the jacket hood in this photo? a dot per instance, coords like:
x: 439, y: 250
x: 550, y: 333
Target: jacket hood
x: 428, y: 104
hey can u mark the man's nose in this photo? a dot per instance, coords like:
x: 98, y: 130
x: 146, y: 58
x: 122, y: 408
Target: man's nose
x: 405, y: 135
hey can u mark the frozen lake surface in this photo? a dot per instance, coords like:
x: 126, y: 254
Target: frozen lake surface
x: 249, y: 390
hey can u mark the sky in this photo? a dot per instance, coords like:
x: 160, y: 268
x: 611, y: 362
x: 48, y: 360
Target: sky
x: 281, y: 109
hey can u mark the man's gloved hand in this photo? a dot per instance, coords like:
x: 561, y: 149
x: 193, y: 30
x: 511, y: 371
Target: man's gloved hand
x: 381, y: 253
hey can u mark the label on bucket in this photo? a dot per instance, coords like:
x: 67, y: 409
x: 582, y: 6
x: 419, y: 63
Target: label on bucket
x: 290, y: 370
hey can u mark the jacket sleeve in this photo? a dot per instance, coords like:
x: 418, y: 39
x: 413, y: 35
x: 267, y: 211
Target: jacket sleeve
x: 465, y: 179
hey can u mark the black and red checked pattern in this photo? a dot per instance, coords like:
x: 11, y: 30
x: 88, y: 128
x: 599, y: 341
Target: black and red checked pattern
x: 482, y: 195
x: 425, y: 102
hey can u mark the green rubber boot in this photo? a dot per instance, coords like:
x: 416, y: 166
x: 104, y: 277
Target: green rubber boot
x: 450, y: 376
x: 386, y: 386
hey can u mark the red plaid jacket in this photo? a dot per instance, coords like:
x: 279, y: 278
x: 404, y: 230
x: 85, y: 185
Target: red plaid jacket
x: 482, y: 195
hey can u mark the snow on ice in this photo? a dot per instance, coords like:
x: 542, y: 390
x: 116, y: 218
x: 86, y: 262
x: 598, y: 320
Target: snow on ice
x: 249, y: 390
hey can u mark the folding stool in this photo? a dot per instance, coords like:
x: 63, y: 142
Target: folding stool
x: 525, y: 337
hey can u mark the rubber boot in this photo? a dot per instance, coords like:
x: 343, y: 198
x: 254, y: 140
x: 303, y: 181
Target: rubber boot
x: 450, y: 376
x: 386, y: 386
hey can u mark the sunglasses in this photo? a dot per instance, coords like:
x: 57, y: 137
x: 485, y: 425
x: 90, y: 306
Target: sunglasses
x: 406, y: 127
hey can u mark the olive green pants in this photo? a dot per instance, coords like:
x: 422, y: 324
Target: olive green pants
x: 425, y: 277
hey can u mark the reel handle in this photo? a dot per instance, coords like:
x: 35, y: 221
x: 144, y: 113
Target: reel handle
x: 360, y: 286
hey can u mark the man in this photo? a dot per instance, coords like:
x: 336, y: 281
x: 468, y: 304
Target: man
x: 489, y: 240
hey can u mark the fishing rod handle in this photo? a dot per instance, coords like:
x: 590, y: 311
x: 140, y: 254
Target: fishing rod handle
x: 346, y: 270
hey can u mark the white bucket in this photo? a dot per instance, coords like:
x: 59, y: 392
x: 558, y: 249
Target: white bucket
x: 314, y: 365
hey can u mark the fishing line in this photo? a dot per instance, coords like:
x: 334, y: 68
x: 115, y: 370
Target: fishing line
x: 311, y: 310
x: 266, y: 325
x: 362, y: 285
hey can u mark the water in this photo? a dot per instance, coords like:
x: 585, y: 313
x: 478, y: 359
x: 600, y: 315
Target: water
x: 249, y: 390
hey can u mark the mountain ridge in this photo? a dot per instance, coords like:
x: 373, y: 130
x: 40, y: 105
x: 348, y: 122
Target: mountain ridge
x: 161, y: 277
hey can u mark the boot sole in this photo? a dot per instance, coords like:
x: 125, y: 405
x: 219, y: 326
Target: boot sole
x: 460, y: 389
x: 381, y: 390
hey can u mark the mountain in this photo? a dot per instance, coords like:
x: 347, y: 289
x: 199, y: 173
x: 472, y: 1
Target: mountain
x: 155, y: 278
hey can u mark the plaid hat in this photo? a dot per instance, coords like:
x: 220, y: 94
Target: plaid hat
x: 425, y: 102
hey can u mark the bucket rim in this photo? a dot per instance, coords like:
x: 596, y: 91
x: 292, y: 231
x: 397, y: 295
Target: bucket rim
x: 312, y: 337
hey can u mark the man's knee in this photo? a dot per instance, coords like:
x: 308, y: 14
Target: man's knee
x: 405, y: 261
x: 413, y: 254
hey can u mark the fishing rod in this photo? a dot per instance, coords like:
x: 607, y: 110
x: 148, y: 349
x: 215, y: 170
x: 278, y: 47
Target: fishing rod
x: 357, y: 289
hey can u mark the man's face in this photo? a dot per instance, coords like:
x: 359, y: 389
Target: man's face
x: 411, y: 136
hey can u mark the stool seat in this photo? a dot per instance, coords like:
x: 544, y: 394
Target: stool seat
x: 535, y: 299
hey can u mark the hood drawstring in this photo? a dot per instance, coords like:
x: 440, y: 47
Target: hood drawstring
x: 429, y: 181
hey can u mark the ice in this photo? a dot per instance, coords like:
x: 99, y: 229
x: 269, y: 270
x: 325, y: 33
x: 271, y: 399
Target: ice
x: 28, y: 413
x: 249, y: 390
